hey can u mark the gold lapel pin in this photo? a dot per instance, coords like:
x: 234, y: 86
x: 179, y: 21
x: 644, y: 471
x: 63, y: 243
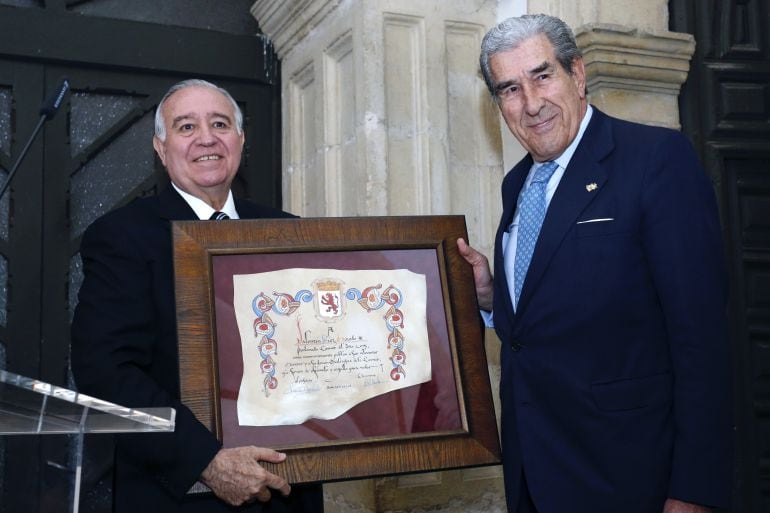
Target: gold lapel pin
x: 590, y: 187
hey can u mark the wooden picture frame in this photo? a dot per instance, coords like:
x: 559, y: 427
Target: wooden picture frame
x: 446, y: 423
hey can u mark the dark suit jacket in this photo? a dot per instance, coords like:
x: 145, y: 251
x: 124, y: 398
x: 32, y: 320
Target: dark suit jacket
x: 124, y: 350
x: 615, y: 367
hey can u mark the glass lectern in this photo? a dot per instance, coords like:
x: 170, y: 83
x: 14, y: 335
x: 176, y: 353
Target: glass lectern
x: 32, y: 407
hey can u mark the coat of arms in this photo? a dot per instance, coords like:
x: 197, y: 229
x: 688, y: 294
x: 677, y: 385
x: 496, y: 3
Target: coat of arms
x: 328, y: 299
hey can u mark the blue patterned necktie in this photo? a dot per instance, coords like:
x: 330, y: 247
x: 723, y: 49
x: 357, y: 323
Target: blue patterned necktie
x: 531, y: 215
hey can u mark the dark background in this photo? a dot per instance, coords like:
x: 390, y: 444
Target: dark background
x: 725, y: 110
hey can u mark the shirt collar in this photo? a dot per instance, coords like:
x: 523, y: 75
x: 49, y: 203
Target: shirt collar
x: 202, y: 209
x: 566, y: 156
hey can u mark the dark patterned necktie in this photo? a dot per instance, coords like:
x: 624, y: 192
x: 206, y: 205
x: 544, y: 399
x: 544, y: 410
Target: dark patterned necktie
x: 218, y: 216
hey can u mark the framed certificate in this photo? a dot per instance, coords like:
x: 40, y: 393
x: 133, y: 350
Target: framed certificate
x: 352, y: 344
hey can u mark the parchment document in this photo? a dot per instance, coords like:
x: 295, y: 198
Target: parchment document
x: 316, y: 342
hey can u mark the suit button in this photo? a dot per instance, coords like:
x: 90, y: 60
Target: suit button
x: 515, y: 346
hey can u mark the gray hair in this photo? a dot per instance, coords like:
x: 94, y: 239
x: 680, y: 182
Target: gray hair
x: 160, y: 126
x: 510, y: 33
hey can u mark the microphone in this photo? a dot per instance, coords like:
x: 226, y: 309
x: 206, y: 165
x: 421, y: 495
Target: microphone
x: 54, y: 100
x: 48, y: 110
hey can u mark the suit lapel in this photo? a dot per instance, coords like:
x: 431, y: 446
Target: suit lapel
x: 173, y: 207
x: 249, y: 210
x: 570, y: 199
x: 512, y: 185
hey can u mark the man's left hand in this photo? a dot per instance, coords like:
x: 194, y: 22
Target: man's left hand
x: 675, y: 506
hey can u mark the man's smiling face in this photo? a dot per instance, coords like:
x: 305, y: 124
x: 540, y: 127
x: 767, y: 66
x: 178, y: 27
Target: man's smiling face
x: 541, y: 102
x: 202, y: 149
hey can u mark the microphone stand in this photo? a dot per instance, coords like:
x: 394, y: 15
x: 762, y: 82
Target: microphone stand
x: 47, y: 111
x: 23, y: 154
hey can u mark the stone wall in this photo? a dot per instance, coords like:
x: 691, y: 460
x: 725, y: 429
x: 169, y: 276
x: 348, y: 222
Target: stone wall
x: 385, y: 113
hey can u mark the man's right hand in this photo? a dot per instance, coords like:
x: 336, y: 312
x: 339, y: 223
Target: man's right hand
x: 236, y: 477
x: 482, y: 275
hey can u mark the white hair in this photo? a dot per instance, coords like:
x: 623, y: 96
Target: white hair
x: 160, y: 126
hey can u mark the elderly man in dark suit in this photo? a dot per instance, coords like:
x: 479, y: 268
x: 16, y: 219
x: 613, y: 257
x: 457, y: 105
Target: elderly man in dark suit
x: 609, y: 297
x: 124, y: 340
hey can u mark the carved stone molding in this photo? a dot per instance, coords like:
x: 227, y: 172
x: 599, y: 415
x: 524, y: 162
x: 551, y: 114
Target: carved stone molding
x: 287, y: 22
x: 384, y: 113
x: 635, y: 75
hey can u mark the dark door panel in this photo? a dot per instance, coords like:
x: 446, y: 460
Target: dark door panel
x: 725, y: 109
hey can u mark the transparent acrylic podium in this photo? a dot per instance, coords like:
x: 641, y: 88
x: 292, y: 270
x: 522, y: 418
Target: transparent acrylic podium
x: 32, y: 407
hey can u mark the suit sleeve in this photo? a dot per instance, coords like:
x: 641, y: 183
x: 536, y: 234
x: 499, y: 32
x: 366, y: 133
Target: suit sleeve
x: 115, y: 343
x: 683, y: 244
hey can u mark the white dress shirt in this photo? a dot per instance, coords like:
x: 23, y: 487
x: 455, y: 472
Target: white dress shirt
x: 509, y: 236
x: 203, y: 210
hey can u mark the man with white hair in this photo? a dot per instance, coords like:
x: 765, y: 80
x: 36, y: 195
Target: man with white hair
x: 124, y: 338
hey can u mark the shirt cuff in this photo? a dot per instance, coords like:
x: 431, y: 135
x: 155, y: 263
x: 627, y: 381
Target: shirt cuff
x: 488, y: 318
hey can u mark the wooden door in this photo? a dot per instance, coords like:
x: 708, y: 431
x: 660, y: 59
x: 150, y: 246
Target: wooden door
x: 725, y: 109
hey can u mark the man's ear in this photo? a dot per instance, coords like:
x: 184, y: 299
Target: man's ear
x: 579, y: 76
x: 160, y: 148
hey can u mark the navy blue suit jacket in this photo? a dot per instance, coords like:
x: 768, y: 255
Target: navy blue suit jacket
x: 124, y: 350
x: 615, y: 367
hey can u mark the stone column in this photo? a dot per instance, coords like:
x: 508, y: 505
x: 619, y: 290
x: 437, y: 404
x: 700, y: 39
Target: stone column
x: 385, y: 113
